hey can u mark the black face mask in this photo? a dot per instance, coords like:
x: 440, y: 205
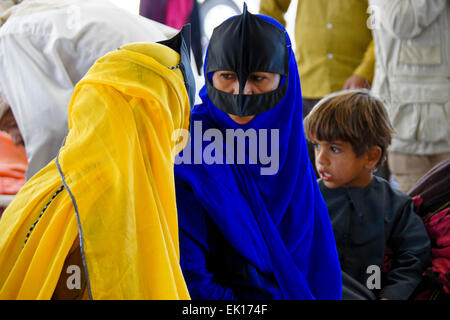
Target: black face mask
x: 246, y: 44
x: 181, y: 43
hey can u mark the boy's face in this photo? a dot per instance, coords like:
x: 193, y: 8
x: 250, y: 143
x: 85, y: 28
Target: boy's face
x: 339, y: 166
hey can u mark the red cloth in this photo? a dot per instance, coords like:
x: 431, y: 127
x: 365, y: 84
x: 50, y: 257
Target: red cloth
x: 387, y: 260
x: 427, y: 294
x: 417, y: 201
x: 431, y: 194
x: 438, y: 227
x: 13, y: 165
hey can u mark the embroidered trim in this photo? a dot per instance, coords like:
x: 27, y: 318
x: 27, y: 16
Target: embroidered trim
x: 80, y: 229
x: 40, y: 216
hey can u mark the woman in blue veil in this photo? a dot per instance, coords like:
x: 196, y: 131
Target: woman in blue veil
x: 252, y: 221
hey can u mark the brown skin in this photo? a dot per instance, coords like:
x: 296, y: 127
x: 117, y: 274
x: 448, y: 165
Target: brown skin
x: 338, y: 165
x: 356, y: 82
x: 9, y: 125
x: 257, y: 83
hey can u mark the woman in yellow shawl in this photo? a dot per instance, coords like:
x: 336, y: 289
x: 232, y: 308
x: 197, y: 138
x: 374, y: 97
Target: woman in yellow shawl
x: 108, y: 199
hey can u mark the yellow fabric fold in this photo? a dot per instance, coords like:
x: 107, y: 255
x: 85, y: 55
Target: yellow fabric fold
x: 366, y: 68
x: 118, y: 164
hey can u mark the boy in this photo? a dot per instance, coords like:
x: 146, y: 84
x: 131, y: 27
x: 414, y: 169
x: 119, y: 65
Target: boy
x: 350, y: 131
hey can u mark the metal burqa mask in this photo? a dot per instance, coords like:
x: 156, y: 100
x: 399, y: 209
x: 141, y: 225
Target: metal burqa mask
x: 181, y: 43
x: 245, y: 44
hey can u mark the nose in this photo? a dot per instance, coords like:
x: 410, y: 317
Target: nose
x: 235, y: 87
x: 321, y: 157
x: 248, y: 89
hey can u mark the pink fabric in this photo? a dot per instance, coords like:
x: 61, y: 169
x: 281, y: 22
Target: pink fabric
x: 178, y: 12
x: 386, y: 266
x: 417, y: 201
x: 425, y: 295
x: 441, y: 266
x: 438, y: 227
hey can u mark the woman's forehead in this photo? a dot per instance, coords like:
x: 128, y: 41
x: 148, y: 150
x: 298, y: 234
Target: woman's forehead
x: 251, y: 73
x: 247, y: 44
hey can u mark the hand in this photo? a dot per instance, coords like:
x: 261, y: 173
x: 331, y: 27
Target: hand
x: 355, y: 82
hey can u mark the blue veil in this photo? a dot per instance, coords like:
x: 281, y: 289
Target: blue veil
x: 279, y: 222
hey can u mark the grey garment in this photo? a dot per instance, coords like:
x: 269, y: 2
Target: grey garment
x: 365, y: 222
x: 353, y: 290
x: 308, y: 105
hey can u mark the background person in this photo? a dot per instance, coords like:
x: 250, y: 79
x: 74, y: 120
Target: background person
x: 412, y: 76
x: 46, y: 46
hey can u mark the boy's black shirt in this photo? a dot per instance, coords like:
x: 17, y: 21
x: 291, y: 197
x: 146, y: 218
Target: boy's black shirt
x: 365, y: 221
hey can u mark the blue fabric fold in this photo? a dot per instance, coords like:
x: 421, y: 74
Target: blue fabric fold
x: 278, y: 223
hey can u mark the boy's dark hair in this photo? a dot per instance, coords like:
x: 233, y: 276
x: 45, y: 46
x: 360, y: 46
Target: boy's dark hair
x: 355, y: 116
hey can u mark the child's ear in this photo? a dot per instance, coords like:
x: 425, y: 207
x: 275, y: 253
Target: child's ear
x: 373, y: 156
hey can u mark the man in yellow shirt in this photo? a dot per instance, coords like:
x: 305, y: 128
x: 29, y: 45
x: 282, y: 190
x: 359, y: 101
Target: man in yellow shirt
x: 334, y: 47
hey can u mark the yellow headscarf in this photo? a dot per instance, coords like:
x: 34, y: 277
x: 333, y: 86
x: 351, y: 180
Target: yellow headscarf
x: 117, y: 162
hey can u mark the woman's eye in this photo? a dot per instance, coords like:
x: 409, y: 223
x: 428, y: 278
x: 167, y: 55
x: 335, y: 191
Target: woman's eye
x: 227, y: 76
x: 256, y: 78
x: 315, y: 145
